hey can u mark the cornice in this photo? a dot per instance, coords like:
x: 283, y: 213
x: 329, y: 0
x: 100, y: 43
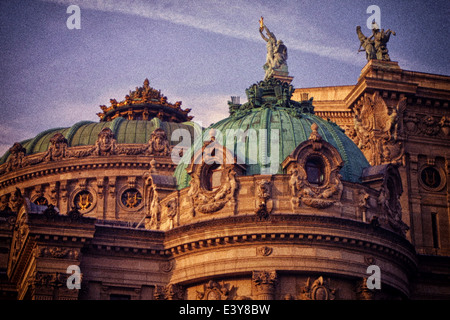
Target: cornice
x: 91, y: 163
x: 317, y: 230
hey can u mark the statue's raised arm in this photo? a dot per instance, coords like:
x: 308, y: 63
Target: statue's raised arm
x: 276, y: 51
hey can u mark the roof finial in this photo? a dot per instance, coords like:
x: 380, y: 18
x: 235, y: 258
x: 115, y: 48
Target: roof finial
x: 315, y: 136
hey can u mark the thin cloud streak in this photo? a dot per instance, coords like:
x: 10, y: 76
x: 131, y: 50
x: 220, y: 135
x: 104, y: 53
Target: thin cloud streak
x: 213, y: 18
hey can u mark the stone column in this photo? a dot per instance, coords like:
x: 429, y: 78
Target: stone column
x: 100, y: 198
x: 264, y: 282
x: 110, y: 212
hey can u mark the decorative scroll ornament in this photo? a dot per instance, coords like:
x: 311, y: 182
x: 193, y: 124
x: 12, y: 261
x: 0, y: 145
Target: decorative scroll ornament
x: 58, y: 252
x: 264, y: 251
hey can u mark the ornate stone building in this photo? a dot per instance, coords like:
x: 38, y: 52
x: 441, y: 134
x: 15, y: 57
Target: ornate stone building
x: 277, y: 201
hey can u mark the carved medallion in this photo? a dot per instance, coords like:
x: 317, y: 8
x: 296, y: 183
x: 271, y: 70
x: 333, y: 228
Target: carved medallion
x: 319, y: 289
x: 432, y: 178
x: 131, y: 198
x: 83, y: 200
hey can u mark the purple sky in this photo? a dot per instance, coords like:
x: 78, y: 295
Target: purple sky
x: 199, y: 52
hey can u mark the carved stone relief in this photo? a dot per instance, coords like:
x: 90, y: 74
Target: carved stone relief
x: 169, y: 292
x: 16, y: 200
x: 217, y: 291
x: 16, y: 157
x: 20, y: 233
x: 264, y: 282
x: 158, y: 144
x: 319, y: 289
x: 264, y: 204
x: 106, y: 143
x: 171, y: 211
x: 57, y: 149
x: 213, y: 182
x: 378, y: 129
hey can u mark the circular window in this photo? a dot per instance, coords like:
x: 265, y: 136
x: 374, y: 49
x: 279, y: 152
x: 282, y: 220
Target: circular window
x: 131, y: 198
x: 432, y: 178
x: 315, y: 171
x: 41, y: 201
x: 83, y: 200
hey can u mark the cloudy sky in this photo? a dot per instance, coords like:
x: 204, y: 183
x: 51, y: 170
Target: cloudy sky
x: 200, y: 52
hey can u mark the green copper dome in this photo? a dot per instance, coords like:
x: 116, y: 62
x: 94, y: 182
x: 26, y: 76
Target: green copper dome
x: 273, y: 109
x: 86, y: 133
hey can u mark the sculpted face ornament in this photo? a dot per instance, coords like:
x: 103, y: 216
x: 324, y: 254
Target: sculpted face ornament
x: 17, y: 155
x: 158, y: 144
x: 57, y: 149
x: 106, y: 144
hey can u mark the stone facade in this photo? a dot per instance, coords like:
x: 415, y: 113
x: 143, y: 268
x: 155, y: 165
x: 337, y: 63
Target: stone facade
x: 115, y: 210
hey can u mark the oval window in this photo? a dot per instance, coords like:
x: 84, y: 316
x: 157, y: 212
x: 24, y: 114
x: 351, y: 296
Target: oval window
x: 315, y: 171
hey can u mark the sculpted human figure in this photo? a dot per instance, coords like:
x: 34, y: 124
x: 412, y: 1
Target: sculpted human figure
x: 381, y: 39
x: 375, y: 45
x: 276, y: 51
